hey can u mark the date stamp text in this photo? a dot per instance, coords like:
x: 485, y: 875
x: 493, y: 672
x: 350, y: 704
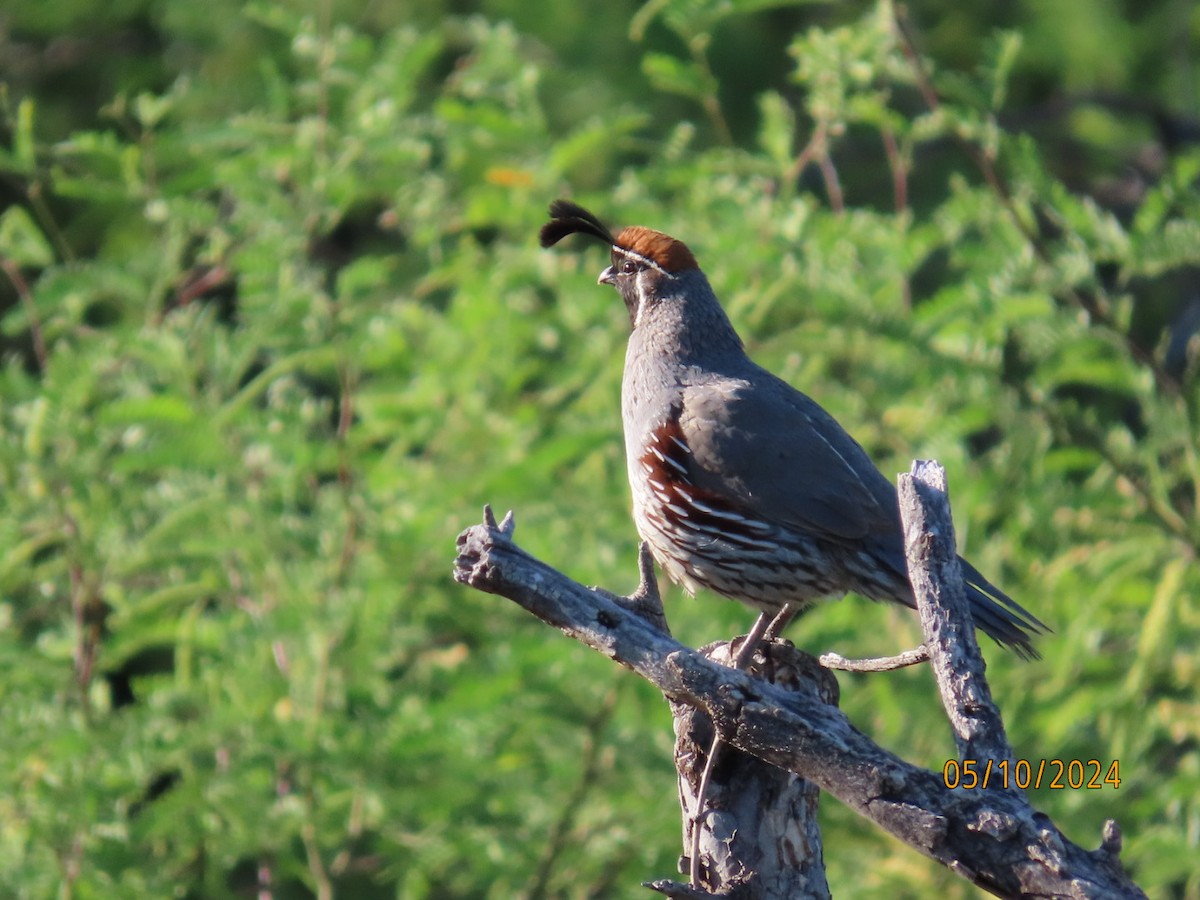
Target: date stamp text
x: 1054, y: 774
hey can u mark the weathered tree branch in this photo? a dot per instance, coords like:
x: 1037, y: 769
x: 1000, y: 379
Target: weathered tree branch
x: 993, y: 838
x: 936, y: 577
x: 881, y: 664
x: 757, y: 836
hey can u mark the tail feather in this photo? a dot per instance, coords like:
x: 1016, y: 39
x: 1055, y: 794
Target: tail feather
x: 1003, y: 619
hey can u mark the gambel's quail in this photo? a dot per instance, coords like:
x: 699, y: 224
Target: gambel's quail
x: 741, y: 483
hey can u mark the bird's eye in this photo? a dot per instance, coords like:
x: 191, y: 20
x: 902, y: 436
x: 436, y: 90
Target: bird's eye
x: 628, y: 267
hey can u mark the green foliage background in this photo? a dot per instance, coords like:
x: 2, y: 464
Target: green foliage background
x: 275, y: 327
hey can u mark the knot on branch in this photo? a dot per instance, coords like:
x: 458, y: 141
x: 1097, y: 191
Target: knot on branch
x: 1111, y: 839
x: 646, y: 601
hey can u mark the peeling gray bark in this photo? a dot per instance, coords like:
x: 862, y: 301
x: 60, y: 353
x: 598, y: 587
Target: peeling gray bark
x: 759, y: 835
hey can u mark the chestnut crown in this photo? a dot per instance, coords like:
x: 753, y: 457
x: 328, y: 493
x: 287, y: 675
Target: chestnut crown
x: 654, y: 248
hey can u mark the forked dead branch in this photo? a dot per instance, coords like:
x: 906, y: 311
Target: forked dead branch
x: 993, y: 838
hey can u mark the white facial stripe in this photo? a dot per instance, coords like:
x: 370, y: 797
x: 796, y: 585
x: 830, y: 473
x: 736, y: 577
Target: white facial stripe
x: 642, y: 289
x: 642, y: 259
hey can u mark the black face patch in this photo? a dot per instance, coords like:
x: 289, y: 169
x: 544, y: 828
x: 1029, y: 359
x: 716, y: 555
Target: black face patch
x: 627, y: 285
x: 637, y: 278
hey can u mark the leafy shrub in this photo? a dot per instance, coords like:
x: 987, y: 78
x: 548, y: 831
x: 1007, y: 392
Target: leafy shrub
x: 275, y: 327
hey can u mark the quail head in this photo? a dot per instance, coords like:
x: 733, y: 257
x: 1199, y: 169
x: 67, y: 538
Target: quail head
x: 741, y: 483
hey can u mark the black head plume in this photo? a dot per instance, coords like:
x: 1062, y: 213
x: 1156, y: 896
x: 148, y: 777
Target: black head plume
x: 571, y: 218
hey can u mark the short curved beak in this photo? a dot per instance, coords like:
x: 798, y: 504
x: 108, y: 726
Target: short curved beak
x: 608, y: 276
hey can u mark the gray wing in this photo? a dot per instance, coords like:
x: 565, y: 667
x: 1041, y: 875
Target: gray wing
x: 774, y: 451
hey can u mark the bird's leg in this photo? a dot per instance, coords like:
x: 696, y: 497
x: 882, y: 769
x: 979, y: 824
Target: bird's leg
x: 781, y: 621
x: 752, y: 641
x: 766, y: 627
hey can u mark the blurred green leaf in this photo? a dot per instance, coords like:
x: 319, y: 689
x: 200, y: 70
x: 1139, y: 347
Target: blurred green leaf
x: 676, y: 76
x: 21, y: 241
